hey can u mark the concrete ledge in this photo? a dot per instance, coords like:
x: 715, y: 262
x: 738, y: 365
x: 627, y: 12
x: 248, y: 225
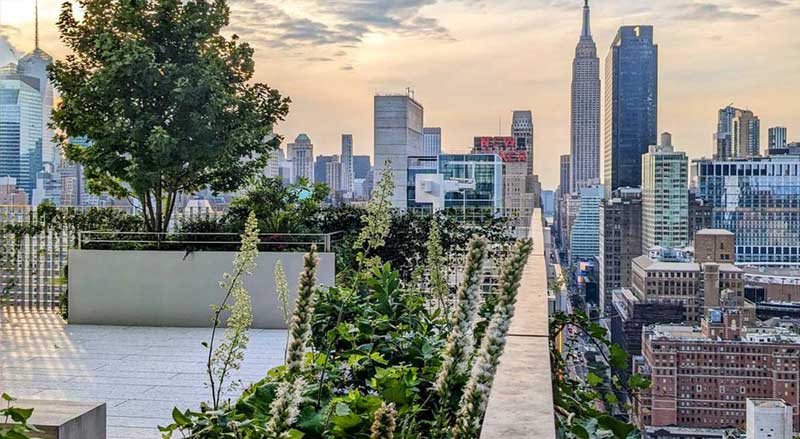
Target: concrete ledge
x: 521, y: 403
x: 66, y: 419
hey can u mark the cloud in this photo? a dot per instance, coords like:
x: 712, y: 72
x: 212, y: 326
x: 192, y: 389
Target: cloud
x: 340, y: 53
x: 342, y: 23
x: 319, y: 59
x: 347, y: 68
x: 8, y: 30
x: 712, y: 12
x: 390, y: 16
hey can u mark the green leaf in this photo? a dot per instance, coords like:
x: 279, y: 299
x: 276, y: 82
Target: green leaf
x: 295, y: 434
x: 342, y: 409
x: 594, y: 380
x: 7, y: 397
x: 618, y: 358
x: 180, y: 418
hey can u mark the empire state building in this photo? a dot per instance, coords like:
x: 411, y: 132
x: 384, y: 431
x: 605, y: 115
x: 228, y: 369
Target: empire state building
x: 585, y: 121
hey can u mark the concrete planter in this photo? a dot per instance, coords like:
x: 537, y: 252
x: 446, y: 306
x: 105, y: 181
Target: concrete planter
x: 172, y: 288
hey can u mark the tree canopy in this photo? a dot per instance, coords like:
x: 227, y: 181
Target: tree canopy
x: 167, y: 101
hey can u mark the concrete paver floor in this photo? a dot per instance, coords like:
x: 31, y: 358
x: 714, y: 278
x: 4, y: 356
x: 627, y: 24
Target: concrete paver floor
x: 141, y: 373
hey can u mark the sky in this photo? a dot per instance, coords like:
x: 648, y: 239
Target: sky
x: 472, y: 62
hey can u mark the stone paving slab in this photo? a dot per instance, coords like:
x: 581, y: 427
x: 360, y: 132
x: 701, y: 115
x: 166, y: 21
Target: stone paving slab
x: 141, y: 373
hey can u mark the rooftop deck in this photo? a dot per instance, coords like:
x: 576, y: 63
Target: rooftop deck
x: 141, y: 373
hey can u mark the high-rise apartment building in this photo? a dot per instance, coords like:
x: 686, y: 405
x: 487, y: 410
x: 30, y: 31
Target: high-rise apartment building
x: 564, y: 187
x: 758, y: 200
x: 665, y: 196
x: 702, y: 377
x: 585, y: 231
x: 620, y: 241
x: 777, y: 138
x: 738, y: 134
x: 301, y: 154
x: 631, y: 105
x: 585, y: 110
x: 346, y: 160
x: 398, y: 136
x: 431, y: 141
x: 20, y: 130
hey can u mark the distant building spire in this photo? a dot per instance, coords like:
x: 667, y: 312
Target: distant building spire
x: 587, y: 30
x: 36, y: 43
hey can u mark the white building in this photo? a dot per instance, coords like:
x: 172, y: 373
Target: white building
x: 301, y: 154
x: 398, y: 135
x: 768, y: 419
x: 665, y: 197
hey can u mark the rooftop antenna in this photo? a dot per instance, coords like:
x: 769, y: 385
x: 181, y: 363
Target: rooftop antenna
x: 36, y: 13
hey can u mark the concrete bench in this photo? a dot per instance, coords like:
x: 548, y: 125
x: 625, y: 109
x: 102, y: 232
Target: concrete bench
x: 66, y: 419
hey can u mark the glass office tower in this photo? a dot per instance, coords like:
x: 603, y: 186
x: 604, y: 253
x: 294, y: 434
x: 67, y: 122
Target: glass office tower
x: 757, y: 199
x: 631, y: 106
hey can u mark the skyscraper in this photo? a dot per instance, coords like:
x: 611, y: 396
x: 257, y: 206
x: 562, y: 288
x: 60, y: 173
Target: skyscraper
x: 585, y: 141
x: 34, y: 65
x: 347, y: 163
x: 620, y: 242
x: 398, y: 136
x: 20, y: 130
x: 631, y: 105
x: 564, y: 186
x: 758, y: 199
x: 738, y: 134
x: 301, y: 154
x: 777, y: 137
x: 665, y: 197
x: 321, y: 167
x: 522, y: 131
x: 585, y: 232
x: 432, y: 141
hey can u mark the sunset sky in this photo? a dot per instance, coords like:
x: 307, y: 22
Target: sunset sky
x: 471, y: 62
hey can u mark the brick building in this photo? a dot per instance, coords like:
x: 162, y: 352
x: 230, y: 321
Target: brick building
x: 702, y: 377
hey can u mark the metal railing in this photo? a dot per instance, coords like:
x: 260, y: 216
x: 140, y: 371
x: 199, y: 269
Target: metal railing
x: 105, y: 240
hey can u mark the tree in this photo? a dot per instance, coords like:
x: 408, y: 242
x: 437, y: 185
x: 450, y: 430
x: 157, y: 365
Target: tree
x: 165, y: 99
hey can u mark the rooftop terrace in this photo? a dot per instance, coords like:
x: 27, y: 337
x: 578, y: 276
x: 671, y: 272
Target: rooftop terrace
x: 141, y: 373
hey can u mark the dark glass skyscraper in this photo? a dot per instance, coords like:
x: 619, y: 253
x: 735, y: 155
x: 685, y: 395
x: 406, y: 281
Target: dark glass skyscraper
x: 631, y: 105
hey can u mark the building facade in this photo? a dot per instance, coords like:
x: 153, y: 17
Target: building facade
x: 20, y: 130
x: 301, y: 154
x: 585, y: 110
x: 738, y: 134
x: 777, y: 138
x: 470, y: 183
x: 696, y: 286
x: 631, y: 105
x: 564, y: 187
x: 584, y: 237
x: 665, y: 197
x: 620, y: 241
x: 758, y: 200
x: 522, y: 131
x: 769, y: 419
x: 431, y: 141
x: 346, y: 160
x: 519, y: 201
x: 702, y: 377
x: 398, y: 136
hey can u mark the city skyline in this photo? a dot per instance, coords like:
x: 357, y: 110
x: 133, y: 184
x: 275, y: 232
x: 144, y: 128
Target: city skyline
x: 354, y: 51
